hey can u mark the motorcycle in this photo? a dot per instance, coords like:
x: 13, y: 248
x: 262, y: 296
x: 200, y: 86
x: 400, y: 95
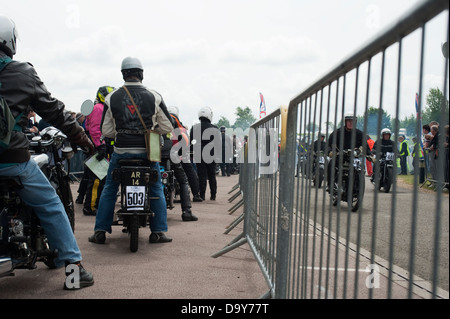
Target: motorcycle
x: 52, y: 142
x: 318, y: 170
x: 347, y: 187
x: 169, y: 183
x: 23, y: 241
x: 135, y: 178
x: 386, y: 172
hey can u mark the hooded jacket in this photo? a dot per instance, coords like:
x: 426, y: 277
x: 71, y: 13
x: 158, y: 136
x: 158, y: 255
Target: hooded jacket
x: 24, y: 91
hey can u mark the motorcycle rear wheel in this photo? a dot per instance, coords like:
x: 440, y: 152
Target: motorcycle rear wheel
x: 133, y: 231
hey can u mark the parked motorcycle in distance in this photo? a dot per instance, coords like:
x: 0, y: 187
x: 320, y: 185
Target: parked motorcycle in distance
x: 135, y: 178
x: 385, y: 174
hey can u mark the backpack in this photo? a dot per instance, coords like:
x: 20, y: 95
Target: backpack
x: 7, y: 120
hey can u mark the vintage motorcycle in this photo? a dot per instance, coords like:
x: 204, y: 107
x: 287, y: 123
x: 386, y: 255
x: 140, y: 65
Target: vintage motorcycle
x: 52, y: 142
x: 386, y: 172
x: 135, y: 178
x: 349, y: 182
x: 169, y: 183
x: 23, y: 241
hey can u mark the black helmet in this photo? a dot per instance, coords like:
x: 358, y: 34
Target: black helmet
x: 222, y: 129
x: 102, y: 92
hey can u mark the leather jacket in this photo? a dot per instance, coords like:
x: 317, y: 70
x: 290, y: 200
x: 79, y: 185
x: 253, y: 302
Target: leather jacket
x: 121, y: 122
x: 24, y: 91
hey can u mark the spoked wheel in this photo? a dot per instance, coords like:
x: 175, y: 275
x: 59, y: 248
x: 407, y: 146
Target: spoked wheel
x: 133, y: 231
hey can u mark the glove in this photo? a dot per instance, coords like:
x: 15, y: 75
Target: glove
x: 82, y: 140
x: 101, y: 152
x: 330, y: 154
x: 371, y: 159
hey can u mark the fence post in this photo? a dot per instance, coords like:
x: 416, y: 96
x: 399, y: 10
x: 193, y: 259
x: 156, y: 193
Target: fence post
x: 285, y: 204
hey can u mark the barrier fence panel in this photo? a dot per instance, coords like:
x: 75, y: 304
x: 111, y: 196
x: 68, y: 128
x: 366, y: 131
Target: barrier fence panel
x: 318, y: 224
x: 346, y: 235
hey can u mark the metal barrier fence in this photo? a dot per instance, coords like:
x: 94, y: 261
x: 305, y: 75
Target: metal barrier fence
x: 309, y: 237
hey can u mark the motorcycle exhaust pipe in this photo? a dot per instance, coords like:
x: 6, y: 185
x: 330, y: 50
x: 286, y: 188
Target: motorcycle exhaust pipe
x: 6, y: 267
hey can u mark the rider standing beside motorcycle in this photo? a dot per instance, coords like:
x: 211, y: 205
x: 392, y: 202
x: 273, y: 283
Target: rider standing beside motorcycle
x: 121, y: 122
x: 335, y: 143
x: 177, y: 167
x: 22, y: 88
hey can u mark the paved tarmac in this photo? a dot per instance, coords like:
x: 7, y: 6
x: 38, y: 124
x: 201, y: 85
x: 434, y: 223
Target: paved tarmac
x: 182, y: 269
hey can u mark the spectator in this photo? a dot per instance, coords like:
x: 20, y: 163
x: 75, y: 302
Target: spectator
x: 206, y: 163
x: 403, y: 154
x: 434, y: 149
x: 427, y: 136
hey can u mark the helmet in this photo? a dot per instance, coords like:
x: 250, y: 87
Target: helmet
x: 173, y: 110
x: 131, y: 63
x: 205, y: 112
x: 222, y: 129
x: 8, y: 35
x: 349, y: 116
x: 132, y: 67
x: 386, y: 131
x: 103, y: 92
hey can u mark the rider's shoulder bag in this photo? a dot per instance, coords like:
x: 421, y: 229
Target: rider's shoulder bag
x: 152, y: 138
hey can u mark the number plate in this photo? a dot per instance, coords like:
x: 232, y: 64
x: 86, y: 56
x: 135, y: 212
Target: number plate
x: 389, y: 156
x: 135, y: 197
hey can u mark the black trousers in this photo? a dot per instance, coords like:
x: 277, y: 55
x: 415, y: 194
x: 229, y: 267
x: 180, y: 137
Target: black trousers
x: 192, y: 177
x: 207, y: 172
x: 182, y: 180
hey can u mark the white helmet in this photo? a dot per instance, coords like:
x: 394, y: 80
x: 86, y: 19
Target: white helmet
x: 385, y: 131
x: 131, y: 63
x: 173, y: 110
x: 206, y: 112
x: 8, y: 35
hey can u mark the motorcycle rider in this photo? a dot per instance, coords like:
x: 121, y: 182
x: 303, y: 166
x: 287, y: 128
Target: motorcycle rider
x: 318, y: 146
x: 121, y: 122
x: 206, y: 166
x: 180, y: 175
x: 341, y: 139
x: 23, y: 89
x: 93, y: 121
x: 386, y: 145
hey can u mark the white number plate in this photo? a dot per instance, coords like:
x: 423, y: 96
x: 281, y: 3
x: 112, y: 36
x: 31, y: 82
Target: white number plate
x: 389, y: 156
x: 135, y: 197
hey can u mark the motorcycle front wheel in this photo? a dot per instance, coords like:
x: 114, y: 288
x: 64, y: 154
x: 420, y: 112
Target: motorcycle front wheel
x: 359, y: 185
x: 388, y: 179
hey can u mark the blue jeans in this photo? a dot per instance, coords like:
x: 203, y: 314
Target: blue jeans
x: 39, y: 194
x: 105, y: 212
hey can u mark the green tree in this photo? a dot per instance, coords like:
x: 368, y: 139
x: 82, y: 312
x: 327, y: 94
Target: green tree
x: 244, y: 118
x: 435, y: 102
x: 223, y: 121
x: 372, y: 121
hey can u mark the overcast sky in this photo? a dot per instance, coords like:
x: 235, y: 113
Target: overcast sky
x: 197, y: 52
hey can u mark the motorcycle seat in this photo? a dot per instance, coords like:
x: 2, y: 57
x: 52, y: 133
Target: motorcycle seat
x: 134, y: 162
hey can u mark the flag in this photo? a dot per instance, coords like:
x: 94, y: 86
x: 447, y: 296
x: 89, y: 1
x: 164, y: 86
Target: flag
x: 262, y: 106
x: 419, y: 118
